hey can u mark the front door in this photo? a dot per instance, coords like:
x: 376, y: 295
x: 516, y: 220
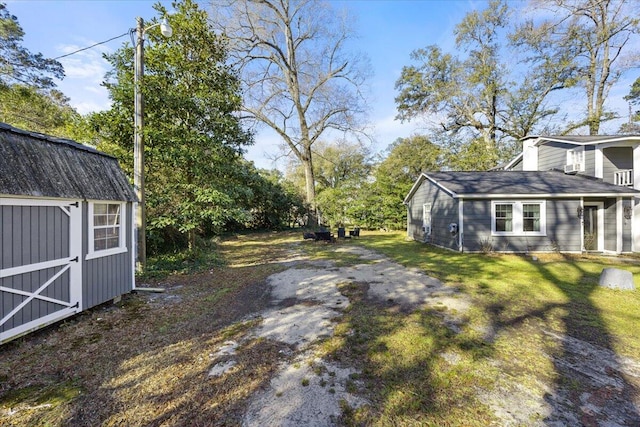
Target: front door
x: 593, y: 227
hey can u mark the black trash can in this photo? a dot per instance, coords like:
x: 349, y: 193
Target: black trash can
x: 341, y: 233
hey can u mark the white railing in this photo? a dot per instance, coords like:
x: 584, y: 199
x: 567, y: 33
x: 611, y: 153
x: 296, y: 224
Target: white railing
x: 623, y: 177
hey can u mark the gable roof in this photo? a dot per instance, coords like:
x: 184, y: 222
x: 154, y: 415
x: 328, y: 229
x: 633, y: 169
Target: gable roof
x: 520, y: 184
x: 37, y: 165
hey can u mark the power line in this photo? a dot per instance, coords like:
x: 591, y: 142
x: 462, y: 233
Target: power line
x: 92, y: 46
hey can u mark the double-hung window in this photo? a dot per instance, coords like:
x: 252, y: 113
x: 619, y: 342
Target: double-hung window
x: 106, y: 229
x: 514, y: 218
x: 575, y: 157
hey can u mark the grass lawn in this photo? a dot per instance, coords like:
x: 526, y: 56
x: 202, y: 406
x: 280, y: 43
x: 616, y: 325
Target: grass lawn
x: 145, y: 361
x: 518, y: 306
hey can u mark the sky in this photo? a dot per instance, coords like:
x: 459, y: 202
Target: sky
x: 389, y: 30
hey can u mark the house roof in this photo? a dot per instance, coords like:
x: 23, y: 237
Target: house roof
x: 583, y: 139
x: 37, y: 165
x: 520, y: 184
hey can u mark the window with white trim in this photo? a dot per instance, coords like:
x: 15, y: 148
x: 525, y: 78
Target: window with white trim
x: 516, y: 218
x: 106, y: 229
x: 426, y: 218
x: 575, y: 156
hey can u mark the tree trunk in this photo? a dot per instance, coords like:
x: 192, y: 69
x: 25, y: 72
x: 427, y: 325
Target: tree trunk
x: 191, y: 235
x: 310, y: 185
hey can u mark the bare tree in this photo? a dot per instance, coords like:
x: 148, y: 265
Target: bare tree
x: 300, y: 78
x: 595, y: 33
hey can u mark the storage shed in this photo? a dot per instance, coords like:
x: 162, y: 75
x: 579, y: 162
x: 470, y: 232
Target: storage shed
x: 66, y: 230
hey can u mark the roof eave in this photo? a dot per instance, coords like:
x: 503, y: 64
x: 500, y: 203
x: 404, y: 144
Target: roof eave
x: 543, y: 195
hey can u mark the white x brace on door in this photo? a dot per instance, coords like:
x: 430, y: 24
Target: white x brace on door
x: 40, y: 266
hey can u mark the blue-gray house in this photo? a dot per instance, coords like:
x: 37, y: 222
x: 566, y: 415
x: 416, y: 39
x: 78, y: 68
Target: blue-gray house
x: 66, y: 230
x: 522, y: 211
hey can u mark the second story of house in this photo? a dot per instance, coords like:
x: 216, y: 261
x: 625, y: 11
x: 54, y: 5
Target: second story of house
x: 614, y: 159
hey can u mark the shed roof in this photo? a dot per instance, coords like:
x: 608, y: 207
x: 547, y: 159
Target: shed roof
x: 521, y: 184
x: 37, y: 165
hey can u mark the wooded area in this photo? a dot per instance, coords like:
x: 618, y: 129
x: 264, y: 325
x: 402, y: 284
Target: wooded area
x: 283, y: 64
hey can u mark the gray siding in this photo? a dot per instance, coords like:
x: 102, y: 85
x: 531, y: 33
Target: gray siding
x: 615, y: 159
x: 553, y: 155
x: 32, y: 234
x: 107, y: 277
x: 444, y: 211
x: 563, y: 229
x: 589, y: 160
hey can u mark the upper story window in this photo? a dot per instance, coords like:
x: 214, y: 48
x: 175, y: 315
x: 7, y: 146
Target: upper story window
x: 106, y: 229
x: 575, y: 157
x: 513, y: 218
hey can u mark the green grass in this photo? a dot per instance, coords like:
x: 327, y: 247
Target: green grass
x: 420, y: 372
x: 146, y: 364
x: 559, y: 292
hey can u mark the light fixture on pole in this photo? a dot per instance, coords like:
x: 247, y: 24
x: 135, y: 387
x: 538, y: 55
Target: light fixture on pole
x: 138, y: 139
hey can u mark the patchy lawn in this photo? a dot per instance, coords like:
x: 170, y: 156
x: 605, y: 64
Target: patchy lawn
x: 535, y: 339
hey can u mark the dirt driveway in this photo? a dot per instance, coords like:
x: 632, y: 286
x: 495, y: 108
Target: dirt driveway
x: 305, y: 300
x: 246, y: 345
x: 310, y: 391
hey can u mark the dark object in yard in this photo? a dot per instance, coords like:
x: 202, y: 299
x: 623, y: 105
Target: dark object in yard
x: 355, y: 232
x: 324, y: 235
x: 306, y: 236
x: 341, y: 233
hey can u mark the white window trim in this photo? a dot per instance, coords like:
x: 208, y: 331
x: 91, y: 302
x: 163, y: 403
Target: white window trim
x: 426, y: 226
x: 122, y: 245
x: 518, y: 220
x: 575, y: 156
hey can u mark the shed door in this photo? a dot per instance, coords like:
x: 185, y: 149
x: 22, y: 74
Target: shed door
x: 40, y: 268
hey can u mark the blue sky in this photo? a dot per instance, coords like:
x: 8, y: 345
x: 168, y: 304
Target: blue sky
x: 389, y: 31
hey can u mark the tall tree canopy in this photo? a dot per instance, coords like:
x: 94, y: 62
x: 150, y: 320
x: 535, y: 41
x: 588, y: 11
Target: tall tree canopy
x: 45, y: 111
x: 28, y: 99
x: 193, y: 136
x: 595, y: 35
x: 465, y: 93
x: 17, y: 64
x: 405, y: 159
x: 300, y: 79
x: 476, y: 96
x: 500, y: 83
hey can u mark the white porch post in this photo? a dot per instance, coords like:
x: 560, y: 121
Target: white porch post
x: 619, y: 224
x: 460, y: 224
x: 635, y: 220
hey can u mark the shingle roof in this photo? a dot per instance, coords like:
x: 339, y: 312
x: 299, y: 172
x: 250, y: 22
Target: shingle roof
x: 38, y: 165
x: 522, y: 184
x: 584, y: 139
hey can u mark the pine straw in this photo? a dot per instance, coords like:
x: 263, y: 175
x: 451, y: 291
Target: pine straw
x: 145, y: 361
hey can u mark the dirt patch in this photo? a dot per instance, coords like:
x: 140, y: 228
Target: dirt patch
x: 310, y: 391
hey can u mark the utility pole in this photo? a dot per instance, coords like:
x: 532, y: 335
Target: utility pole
x: 138, y: 150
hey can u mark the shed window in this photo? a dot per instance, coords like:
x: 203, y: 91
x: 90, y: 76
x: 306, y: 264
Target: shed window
x: 106, y: 229
x: 518, y: 218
